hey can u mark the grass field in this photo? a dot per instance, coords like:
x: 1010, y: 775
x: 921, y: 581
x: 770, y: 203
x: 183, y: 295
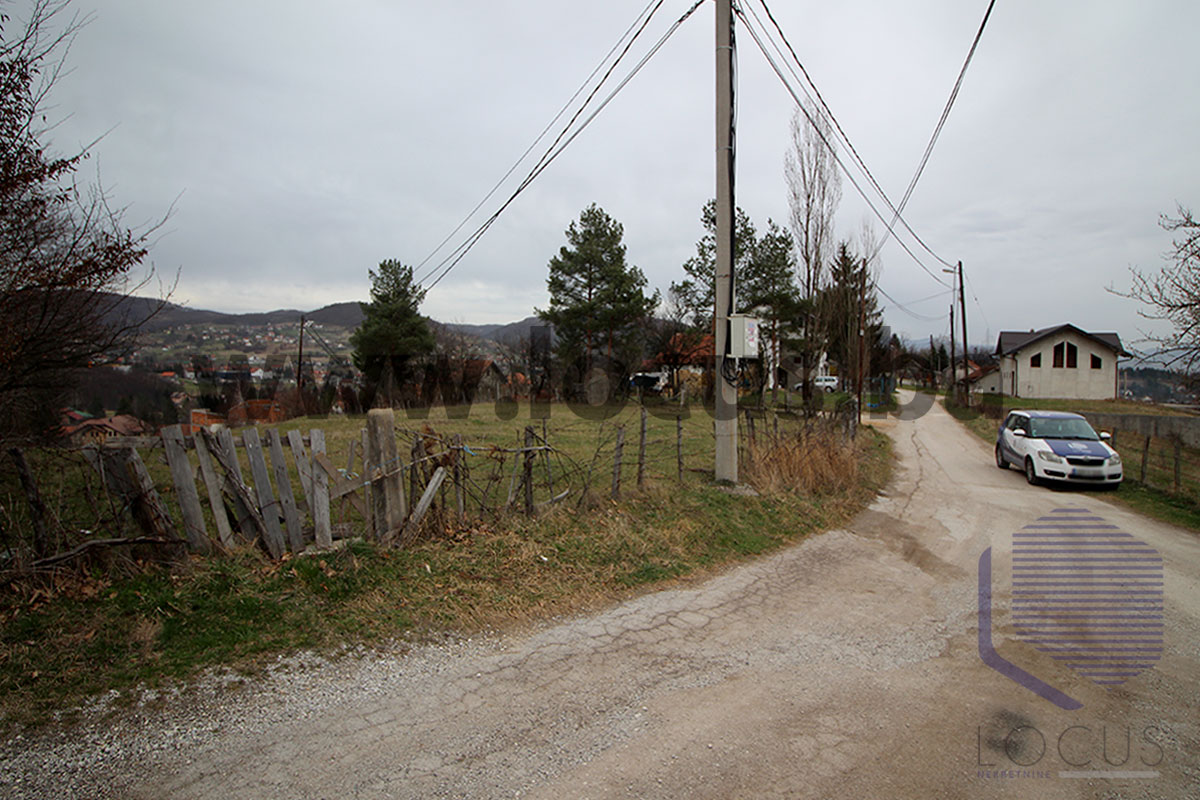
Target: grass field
x: 83, y: 633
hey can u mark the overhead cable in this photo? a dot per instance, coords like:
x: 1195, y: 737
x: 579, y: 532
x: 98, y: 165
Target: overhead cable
x: 560, y: 143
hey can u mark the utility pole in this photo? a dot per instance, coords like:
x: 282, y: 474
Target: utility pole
x: 953, y: 382
x: 300, y: 368
x: 862, y: 336
x: 962, y: 300
x: 725, y: 424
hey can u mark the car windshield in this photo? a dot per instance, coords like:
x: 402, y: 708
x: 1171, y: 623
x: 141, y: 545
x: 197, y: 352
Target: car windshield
x: 1061, y: 428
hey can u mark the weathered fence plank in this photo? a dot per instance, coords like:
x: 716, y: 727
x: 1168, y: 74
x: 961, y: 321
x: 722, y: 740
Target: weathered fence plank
x: 185, y: 489
x: 213, y: 486
x: 406, y: 531
x: 387, y: 490
x: 154, y: 511
x: 273, y: 532
x: 287, y: 498
x: 249, y: 521
x: 320, y: 493
x: 225, y: 437
x: 303, y: 465
x: 126, y: 476
x: 340, y: 487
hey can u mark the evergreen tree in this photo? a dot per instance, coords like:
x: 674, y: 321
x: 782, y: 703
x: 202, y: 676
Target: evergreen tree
x: 696, y: 293
x: 850, y: 285
x: 769, y: 288
x: 597, y: 300
x: 393, y: 335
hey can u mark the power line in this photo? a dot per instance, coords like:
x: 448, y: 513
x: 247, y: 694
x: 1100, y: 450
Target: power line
x: 945, y: 114
x: 833, y: 152
x: 844, y: 137
x: 560, y: 144
x: 978, y: 304
x: 541, y: 135
x: 910, y: 312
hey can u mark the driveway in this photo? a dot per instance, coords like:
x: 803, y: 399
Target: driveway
x: 847, y: 666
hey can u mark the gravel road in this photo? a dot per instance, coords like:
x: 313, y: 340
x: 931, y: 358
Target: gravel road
x: 846, y: 666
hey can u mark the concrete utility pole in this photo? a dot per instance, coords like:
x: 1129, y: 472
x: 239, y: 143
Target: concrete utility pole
x: 725, y: 424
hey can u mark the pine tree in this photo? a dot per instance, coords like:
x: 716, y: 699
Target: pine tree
x: 697, y: 293
x: 849, y: 284
x: 393, y: 334
x: 597, y: 299
x: 769, y: 288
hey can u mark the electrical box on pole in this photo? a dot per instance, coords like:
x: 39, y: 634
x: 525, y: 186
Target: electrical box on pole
x: 743, y: 336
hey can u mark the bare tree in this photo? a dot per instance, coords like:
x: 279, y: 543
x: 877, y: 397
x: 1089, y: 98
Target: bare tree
x: 65, y: 257
x: 1173, y: 294
x: 814, y: 192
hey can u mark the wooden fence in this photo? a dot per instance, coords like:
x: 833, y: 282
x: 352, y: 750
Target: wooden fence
x: 284, y: 491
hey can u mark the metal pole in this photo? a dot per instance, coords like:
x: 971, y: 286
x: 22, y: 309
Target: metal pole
x: 725, y: 424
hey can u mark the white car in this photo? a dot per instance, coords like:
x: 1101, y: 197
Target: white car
x: 825, y: 383
x: 1057, y: 445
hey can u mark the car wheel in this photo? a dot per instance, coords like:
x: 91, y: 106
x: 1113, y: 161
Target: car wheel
x: 828, y: 390
x: 1030, y: 472
x: 1000, y: 462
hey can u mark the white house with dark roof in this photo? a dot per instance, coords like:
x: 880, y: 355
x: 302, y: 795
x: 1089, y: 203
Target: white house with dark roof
x: 1060, y: 361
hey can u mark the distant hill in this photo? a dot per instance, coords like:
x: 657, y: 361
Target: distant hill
x: 510, y: 334
x: 344, y: 315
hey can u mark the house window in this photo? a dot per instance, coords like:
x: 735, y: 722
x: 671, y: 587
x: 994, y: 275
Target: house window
x: 1035, y: 360
x: 1058, y: 355
x: 1096, y: 362
x: 1072, y: 356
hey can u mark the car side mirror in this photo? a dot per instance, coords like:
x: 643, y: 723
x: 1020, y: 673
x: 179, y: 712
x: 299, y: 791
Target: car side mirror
x: 1018, y: 432
x: 1105, y: 436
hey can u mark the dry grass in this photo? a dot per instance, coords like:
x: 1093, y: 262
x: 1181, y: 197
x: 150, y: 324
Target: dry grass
x: 818, y: 464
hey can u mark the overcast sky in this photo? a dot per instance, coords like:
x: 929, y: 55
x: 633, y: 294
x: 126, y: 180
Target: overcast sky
x: 302, y: 143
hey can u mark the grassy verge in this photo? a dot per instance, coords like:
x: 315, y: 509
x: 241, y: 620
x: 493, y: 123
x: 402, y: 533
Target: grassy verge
x: 1147, y: 500
x: 88, y: 634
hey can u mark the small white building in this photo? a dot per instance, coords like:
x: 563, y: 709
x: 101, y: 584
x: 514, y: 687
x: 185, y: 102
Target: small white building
x: 1060, y: 361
